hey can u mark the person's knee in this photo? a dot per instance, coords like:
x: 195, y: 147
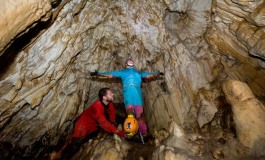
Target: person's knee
x: 91, y: 135
x: 129, y: 110
x: 139, y: 111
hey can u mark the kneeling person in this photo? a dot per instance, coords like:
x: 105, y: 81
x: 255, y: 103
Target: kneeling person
x: 99, y: 114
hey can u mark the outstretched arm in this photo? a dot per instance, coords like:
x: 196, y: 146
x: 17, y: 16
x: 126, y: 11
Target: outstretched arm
x: 110, y: 74
x: 96, y: 73
x: 151, y: 74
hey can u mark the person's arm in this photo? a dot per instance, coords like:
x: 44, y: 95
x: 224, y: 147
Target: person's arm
x: 109, y: 74
x: 103, y: 122
x: 151, y: 74
x: 106, y: 125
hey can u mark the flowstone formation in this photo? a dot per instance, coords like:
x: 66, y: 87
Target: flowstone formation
x: 49, y: 47
x: 249, y: 116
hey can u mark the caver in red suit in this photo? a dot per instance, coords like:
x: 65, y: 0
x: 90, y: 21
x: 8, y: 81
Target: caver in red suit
x: 97, y: 115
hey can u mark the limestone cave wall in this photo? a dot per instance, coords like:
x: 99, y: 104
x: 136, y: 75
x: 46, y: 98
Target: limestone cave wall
x: 45, y: 82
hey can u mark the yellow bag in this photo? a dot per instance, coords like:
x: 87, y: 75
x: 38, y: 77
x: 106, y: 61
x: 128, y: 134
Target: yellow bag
x: 130, y: 125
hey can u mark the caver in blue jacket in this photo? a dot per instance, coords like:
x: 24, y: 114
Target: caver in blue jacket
x: 132, y: 94
x: 131, y: 82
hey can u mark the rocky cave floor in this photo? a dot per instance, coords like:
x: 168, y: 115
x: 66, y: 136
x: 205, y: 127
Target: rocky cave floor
x: 214, y: 144
x: 212, y: 148
x: 225, y: 147
x: 228, y: 149
x: 139, y: 150
x: 145, y: 151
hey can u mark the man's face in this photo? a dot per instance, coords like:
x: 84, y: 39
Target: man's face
x: 109, y: 96
x: 130, y: 63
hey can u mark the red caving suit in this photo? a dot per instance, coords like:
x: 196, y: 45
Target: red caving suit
x: 93, y: 118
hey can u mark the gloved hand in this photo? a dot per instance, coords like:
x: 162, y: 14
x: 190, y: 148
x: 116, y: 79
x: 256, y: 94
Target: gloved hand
x: 161, y: 73
x: 122, y: 134
x: 94, y: 73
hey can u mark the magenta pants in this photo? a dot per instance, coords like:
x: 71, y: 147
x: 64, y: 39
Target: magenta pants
x: 138, y: 112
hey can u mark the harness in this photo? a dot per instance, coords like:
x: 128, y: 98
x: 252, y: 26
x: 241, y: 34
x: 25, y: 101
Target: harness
x: 132, y: 84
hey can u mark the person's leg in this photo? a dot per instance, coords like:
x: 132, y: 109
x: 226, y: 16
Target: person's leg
x: 81, y: 130
x: 141, y: 121
x: 71, y: 148
x: 74, y: 145
x: 58, y: 155
x: 63, y: 153
x: 129, y: 109
x: 91, y: 135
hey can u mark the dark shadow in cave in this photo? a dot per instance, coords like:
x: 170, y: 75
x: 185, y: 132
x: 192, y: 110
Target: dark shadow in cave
x: 9, y: 55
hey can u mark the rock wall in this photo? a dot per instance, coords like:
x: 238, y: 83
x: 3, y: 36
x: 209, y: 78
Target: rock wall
x: 197, y: 44
x: 249, y: 115
x: 17, y: 17
x: 237, y: 34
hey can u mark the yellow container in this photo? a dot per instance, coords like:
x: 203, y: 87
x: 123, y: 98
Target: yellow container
x: 130, y: 125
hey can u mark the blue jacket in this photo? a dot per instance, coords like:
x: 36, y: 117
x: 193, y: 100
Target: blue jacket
x: 131, y: 83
